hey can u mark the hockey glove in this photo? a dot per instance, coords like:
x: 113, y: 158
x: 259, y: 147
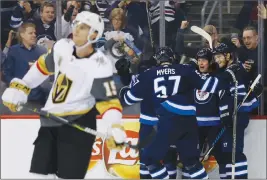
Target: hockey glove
x: 193, y: 63
x: 122, y: 66
x: 116, y: 137
x: 234, y: 67
x: 16, y: 95
x: 257, y: 91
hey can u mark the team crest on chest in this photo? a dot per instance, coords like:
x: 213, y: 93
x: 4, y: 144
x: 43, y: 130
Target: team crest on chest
x: 202, y: 97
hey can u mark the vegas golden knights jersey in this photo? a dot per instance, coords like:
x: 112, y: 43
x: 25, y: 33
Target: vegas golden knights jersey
x: 80, y: 83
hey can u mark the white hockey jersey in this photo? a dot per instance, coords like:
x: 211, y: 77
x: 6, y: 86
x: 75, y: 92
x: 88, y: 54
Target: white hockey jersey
x: 80, y: 83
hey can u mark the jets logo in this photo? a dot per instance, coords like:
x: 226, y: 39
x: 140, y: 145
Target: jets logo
x: 202, y: 97
x: 61, y: 88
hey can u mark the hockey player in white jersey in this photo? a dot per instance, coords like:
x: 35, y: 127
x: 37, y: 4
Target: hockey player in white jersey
x: 83, y: 87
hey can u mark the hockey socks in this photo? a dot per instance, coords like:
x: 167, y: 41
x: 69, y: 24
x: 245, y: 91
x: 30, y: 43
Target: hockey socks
x: 144, y: 173
x: 196, y: 171
x: 241, y: 170
x: 172, y: 170
x: 158, y: 171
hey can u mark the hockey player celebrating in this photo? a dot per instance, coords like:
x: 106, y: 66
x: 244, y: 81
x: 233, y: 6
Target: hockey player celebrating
x: 148, y: 119
x: 208, y: 105
x: 82, y: 88
x: 224, y: 56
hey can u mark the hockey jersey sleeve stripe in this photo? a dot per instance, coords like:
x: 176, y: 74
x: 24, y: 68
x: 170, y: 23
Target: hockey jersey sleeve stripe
x: 208, y: 118
x: 148, y: 117
x: 222, y: 108
x: 45, y: 63
x: 238, y: 87
x: 249, y: 106
x: 42, y: 70
x: 127, y: 101
x: 179, y: 109
x: 103, y: 106
x: 132, y: 97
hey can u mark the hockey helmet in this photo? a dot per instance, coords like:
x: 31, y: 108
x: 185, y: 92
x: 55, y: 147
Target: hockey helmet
x: 93, y: 20
x: 221, y: 49
x: 226, y: 46
x: 204, y: 53
x: 164, y: 54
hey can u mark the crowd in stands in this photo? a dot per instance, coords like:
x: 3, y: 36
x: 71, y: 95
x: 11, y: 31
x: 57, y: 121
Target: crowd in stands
x: 32, y: 32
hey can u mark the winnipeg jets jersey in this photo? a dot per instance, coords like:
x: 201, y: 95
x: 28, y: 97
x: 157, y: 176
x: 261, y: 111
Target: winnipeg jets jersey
x: 80, y: 83
x: 170, y: 86
x: 208, y: 105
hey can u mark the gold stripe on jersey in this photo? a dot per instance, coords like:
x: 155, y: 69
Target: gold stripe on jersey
x: 41, y: 65
x: 70, y: 113
x: 103, y: 106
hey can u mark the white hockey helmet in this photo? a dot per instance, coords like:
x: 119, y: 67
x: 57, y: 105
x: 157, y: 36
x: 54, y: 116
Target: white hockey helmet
x: 93, y: 20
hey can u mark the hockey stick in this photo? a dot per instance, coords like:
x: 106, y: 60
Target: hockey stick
x: 202, y: 33
x: 74, y: 125
x: 214, y: 143
x: 234, y: 123
x: 223, y: 129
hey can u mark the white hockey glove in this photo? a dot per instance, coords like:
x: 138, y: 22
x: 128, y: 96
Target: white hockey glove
x: 116, y: 137
x: 16, y: 95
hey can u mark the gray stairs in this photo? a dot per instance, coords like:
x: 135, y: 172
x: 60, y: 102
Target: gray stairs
x: 228, y: 19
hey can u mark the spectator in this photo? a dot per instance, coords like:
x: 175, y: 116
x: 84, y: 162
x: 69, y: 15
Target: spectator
x: 21, y: 56
x: 249, y: 50
x: 70, y: 10
x: 136, y: 11
x: 21, y: 13
x: 45, y: 26
x: 116, y: 37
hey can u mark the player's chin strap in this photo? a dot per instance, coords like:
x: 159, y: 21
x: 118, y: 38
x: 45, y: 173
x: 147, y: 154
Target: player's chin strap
x: 74, y: 125
x: 223, y: 129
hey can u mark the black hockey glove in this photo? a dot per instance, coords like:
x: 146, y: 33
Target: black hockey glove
x: 258, y: 90
x: 193, y: 63
x: 234, y: 68
x: 122, y: 66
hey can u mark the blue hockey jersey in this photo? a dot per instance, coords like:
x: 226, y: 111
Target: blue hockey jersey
x: 210, y: 106
x: 170, y: 86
